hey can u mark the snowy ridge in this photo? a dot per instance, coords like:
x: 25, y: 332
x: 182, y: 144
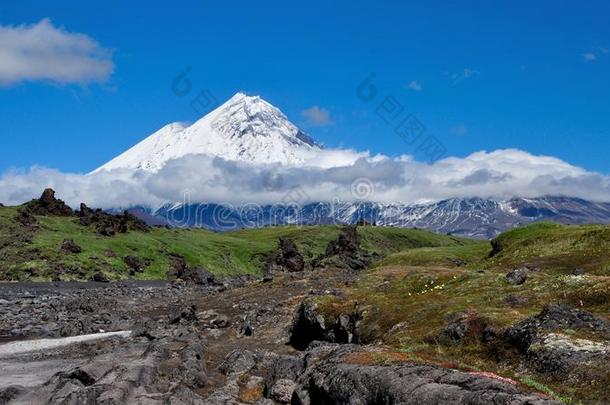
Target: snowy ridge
x: 245, y: 128
x: 474, y: 217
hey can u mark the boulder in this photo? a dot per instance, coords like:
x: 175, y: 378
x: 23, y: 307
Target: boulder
x: 309, y: 325
x: 198, y: 276
x: 134, y: 263
x: 517, y: 276
x: 69, y: 246
x: 221, y: 322
x: 346, y: 244
x: 245, y: 328
x: 516, y: 301
x: 100, y: 277
x: 578, y: 272
x: 280, y: 381
x: 345, y: 252
x: 187, y: 315
x: 466, y: 327
x: 282, y: 390
x: 286, y: 258
x: 554, y: 317
x: 25, y: 218
x: 48, y: 205
x: 193, y: 275
x: 238, y: 362
x: 9, y: 393
x: 557, y: 353
x: 343, y: 375
x: 291, y: 259
x: 108, y: 224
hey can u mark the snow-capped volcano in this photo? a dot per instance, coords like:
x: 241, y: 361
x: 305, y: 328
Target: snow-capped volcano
x: 245, y: 128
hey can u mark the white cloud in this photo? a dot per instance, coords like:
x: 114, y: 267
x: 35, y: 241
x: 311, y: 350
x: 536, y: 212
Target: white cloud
x: 464, y: 74
x: 595, y: 54
x: 500, y: 174
x: 415, y: 86
x: 43, y: 52
x: 317, y: 116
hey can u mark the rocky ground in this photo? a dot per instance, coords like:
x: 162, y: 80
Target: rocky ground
x: 227, y: 342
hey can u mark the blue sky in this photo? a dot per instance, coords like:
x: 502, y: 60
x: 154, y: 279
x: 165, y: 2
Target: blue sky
x: 478, y: 75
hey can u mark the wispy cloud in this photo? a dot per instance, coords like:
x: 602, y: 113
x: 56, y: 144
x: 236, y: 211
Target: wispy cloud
x: 589, y: 57
x: 42, y: 51
x: 499, y: 174
x: 464, y: 74
x: 594, y: 54
x: 415, y: 86
x: 317, y: 116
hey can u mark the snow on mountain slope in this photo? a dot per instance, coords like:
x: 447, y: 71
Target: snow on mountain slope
x: 475, y: 217
x: 245, y: 128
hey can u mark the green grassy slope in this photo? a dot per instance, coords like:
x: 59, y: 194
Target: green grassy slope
x: 407, y: 296
x: 552, y: 246
x: 544, y: 245
x: 35, y: 254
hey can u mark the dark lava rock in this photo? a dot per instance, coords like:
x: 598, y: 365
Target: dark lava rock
x: 134, y: 263
x: 82, y: 326
x: 48, y: 205
x: 169, y: 369
x: 100, y: 277
x: 330, y: 377
x: 517, y: 276
x: 109, y: 253
x: 345, y: 252
x: 459, y: 262
x: 552, y: 318
x: 496, y: 247
x: 8, y: 393
x: 287, y: 258
x: 188, y: 315
x: 545, y: 349
x: 109, y: 225
x: 578, y: 272
x: 239, y: 361
x: 516, y: 301
x: 347, y: 244
x: 221, y: 322
x: 561, y: 354
x: 245, y: 328
x: 196, y: 275
x: 291, y: 259
x: 69, y: 246
x: 466, y: 327
x: 309, y: 326
x: 78, y: 374
x: 280, y: 381
x: 25, y: 218
x: 177, y: 265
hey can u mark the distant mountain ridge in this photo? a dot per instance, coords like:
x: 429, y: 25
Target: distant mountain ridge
x: 474, y: 217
